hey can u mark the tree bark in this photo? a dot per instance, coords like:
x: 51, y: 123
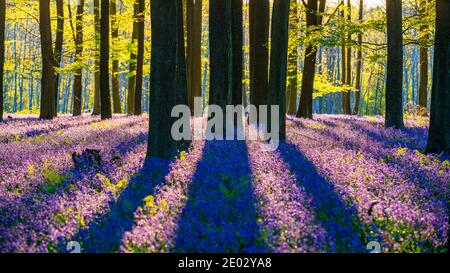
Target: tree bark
x: 220, y: 39
x: 344, y: 68
x: 348, y: 76
x: 105, y: 96
x: 394, y: 78
x: 140, y: 58
x: 97, y: 100
x: 423, y: 59
x: 78, y: 78
x: 165, y: 73
x: 58, y: 44
x: 358, y: 63
x: 259, y: 51
x: 194, y: 36
x: 48, y: 105
x: 115, y: 61
x: 278, y: 62
x: 313, y: 19
x: 2, y: 52
x: 237, y: 51
x: 439, y: 131
x: 292, y: 59
x: 133, y: 60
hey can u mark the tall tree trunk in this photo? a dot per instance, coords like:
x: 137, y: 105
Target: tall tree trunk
x: 292, y: 59
x: 237, y: 51
x: 105, y: 96
x: 278, y: 62
x: 48, y: 105
x: 394, y: 78
x: 140, y: 58
x: 358, y: 63
x: 2, y: 51
x: 133, y: 60
x: 313, y: 19
x: 348, y: 76
x: 259, y: 51
x: 97, y: 100
x: 77, y: 82
x: 220, y: 40
x: 344, y: 68
x: 164, y: 75
x: 180, y: 77
x: 423, y: 59
x: 58, y: 44
x: 194, y: 37
x: 439, y: 131
x: 115, y: 61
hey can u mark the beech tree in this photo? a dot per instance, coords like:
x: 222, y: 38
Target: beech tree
x: 105, y: 96
x: 394, y: 70
x: 133, y: 60
x: 313, y: 19
x: 358, y: 63
x: 48, y: 94
x: 237, y: 52
x: 278, y: 61
x: 439, y: 131
x: 140, y: 58
x: 78, y: 78
x: 58, y: 44
x: 221, y: 63
x: 166, y: 71
x: 115, y: 61
x: 97, y: 102
x: 2, y: 52
x: 423, y: 57
x: 259, y: 51
x: 194, y: 47
x: 291, y: 101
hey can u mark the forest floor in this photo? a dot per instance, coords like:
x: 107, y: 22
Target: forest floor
x: 338, y: 183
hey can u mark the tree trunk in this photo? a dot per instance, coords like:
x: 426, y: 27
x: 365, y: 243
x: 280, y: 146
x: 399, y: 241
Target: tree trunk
x: 423, y: 59
x: 140, y: 58
x: 2, y: 52
x: 105, y: 96
x: 292, y: 59
x: 77, y: 84
x: 220, y: 39
x: 358, y: 63
x: 439, y: 131
x: 115, y: 61
x: 237, y: 51
x: 348, y: 76
x: 133, y: 60
x: 58, y: 44
x: 394, y: 78
x: 278, y: 62
x: 344, y: 68
x: 180, y: 77
x: 48, y: 105
x: 194, y: 37
x: 97, y: 100
x: 259, y: 51
x: 313, y: 19
x: 164, y: 75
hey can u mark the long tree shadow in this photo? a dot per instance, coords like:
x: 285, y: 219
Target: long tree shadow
x: 23, y: 209
x: 220, y: 214
x: 104, y: 234
x: 428, y: 173
x: 337, y: 215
